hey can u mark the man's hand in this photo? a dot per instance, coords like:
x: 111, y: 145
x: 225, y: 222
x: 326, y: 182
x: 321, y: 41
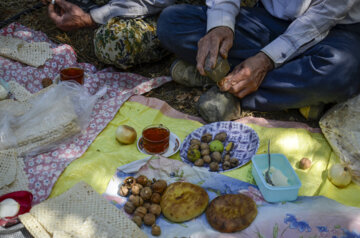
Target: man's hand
x: 218, y: 40
x: 70, y: 17
x: 247, y: 76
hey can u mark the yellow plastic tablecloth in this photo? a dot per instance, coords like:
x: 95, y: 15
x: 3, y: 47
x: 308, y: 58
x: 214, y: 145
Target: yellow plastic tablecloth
x: 105, y: 154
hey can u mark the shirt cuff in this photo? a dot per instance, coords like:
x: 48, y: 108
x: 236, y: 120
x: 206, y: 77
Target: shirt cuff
x: 279, y: 50
x: 102, y: 14
x: 220, y: 17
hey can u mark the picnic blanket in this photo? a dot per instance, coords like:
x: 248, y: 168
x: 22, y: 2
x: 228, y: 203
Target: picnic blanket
x: 306, y: 217
x: 295, y: 140
x: 44, y: 169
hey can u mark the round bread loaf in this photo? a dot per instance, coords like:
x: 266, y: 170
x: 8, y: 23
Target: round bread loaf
x: 231, y: 212
x: 183, y: 201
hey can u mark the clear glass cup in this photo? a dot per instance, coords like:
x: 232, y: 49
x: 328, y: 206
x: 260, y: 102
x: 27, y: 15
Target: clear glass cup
x: 75, y: 73
x: 156, y: 139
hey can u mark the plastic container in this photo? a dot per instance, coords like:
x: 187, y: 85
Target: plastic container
x: 275, y: 193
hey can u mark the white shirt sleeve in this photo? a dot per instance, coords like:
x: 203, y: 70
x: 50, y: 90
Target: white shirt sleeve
x: 222, y: 13
x: 128, y: 9
x: 307, y: 29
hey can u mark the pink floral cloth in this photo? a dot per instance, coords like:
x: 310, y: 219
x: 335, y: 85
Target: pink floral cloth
x: 44, y: 169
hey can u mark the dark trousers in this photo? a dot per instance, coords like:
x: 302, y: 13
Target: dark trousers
x: 329, y: 72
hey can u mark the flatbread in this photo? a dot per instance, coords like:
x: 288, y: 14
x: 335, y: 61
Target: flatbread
x: 33, y: 54
x: 183, y: 201
x: 7, y: 168
x: 340, y: 126
x: 231, y: 212
x: 21, y: 182
x: 81, y: 212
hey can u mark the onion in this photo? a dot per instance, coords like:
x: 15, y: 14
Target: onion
x: 9, y: 208
x: 125, y: 134
x: 339, y: 175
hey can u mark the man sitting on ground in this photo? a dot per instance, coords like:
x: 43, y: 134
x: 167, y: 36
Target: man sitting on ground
x: 126, y: 35
x: 284, y: 54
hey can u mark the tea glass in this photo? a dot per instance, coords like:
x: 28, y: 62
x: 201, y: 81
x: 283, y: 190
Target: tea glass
x: 156, y: 139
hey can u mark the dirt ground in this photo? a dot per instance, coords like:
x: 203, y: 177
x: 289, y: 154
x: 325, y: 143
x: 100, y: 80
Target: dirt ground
x: 177, y: 96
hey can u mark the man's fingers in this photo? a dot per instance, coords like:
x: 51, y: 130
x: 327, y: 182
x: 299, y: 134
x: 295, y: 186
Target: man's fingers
x: 52, y: 14
x: 225, y: 47
x: 66, y: 6
x: 244, y: 92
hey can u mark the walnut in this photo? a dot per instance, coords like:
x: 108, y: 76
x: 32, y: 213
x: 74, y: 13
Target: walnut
x: 140, y: 211
x: 205, y: 152
x: 227, y: 158
x: 199, y: 162
x: 136, y: 200
x: 159, y: 186
x: 195, y: 142
x: 142, y: 180
x: 221, y: 136
x: 226, y: 165
x: 146, y: 205
x: 136, y: 188
x: 149, y: 219
x: 204, y: 146
x: 137, y: 220
x: 156, y: 198
x: 123, y: 190
x: 129, y: 207
x: 216, y: 156
x: 234, y: 162
x: 129, y: 181
x: 155, y: 209
x: 304, y: 163
x: 146, y: 193
x: 46, y: 82
x: 207, y: 159
x: 207, y: 137
x: 214, y: 166
x: 155, y: 230
x: 194, y: 146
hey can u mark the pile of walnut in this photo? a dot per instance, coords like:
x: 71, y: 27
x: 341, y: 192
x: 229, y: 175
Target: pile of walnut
x: 144, y: 200
x: 212, y: 151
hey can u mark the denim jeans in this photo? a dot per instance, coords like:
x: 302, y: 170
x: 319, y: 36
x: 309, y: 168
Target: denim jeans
x: 329, y: 72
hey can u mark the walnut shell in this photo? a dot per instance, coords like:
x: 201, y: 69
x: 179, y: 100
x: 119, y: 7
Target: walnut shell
x: 136, y: 188
x: 136, y: 200
x: 155, y: 230
x: 216, y: 156
x: 159, y: 186
x: 195, y: 142
x: 142, y: 180
x: 149, y: 219
x: 207, y: 159
x: 221, y: 136
x: 304, y: 163
x: 156, y: 198
x: 204, y: 146
x: 137, y: 220
x: 214, y: 166
x: 129, y: 207
x: 140, y: 211
x: 123, y: 190
x: 199, y: 162
x: 205, y: 152
x: 155, y: 209
x: 146, y: 193
x: 207, y: 137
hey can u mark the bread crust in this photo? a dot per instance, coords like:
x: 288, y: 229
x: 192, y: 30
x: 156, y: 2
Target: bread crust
x: 183, y: 201
x: 231, y: 212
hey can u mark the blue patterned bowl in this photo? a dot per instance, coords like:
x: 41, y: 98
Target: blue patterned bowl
x: 245, y: 139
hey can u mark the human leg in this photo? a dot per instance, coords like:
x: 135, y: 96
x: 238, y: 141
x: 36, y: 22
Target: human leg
x: 128, y: 42
x: 310, y: 79
x: 326, y: 73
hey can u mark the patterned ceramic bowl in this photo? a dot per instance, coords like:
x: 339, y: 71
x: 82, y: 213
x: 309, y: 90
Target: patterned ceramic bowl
x: 245, y: 139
